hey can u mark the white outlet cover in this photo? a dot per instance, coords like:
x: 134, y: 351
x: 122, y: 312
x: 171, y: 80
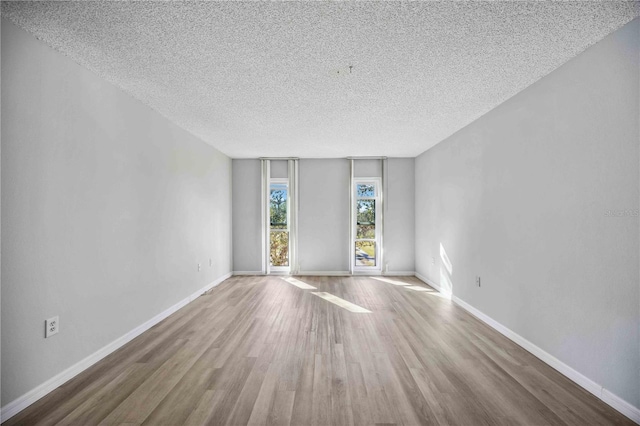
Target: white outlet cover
x: 52, y: 326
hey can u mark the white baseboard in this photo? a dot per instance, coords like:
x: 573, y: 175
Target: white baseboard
x: 248, y: 273
x: 367, y: 273
x: 22, y: 402
x: 331, y: 273
x: 307, y: 273
x: 608, y: 397
x: 399, y: 274
x: 324, y: 273
x: 432, y: 284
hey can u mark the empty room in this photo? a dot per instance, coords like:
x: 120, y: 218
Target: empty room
x: 320, y: 213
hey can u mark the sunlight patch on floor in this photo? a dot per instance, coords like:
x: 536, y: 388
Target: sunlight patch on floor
x: 387, y: 280
x: 299, y: 283
x: 341, y: 302
x: 418, y: 288
x: 414, y: 287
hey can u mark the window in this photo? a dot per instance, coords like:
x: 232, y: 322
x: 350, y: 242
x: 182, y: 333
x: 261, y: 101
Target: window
x: 279, y: 217
x: 278, y: 224
x: 366, y: 237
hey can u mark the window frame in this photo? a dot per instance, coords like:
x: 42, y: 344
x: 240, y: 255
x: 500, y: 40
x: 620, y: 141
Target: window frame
x: 377, y: 183
x: 272, y: 268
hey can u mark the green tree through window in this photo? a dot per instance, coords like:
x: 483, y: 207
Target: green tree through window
x: 278, y: 209
x: 279, y: 233
x: 366, y: 237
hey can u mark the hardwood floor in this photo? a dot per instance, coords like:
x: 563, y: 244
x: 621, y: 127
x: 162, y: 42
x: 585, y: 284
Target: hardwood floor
x: 260, y: 350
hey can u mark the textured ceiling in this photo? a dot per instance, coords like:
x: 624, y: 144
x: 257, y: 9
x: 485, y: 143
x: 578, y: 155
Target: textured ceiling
x: 274, y: 79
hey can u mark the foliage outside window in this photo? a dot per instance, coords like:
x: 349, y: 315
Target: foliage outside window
x: 365, y: 238
x: 279, y: 226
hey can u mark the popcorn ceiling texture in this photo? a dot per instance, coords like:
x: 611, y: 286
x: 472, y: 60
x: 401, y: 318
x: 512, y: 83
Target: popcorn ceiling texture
x: 273, y: 79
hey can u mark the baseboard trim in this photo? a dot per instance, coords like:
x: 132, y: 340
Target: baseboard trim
x: 331, y: 273
x: 600, y: 392
x: 324, y: 273
x: 248, y: 273
x: 365, y: 273
x: 297, y: 274
x: 22, y: 402
x: 399, y: 274
x: 433, y: 284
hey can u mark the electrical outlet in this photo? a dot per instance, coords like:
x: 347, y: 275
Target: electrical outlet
x: 210, y: 262
x: 478, y: 281
x: 198, y: 267
x: 433, y: 260
x: 52, y: 326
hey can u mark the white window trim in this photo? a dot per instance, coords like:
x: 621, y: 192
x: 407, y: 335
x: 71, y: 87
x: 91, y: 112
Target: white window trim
x: 293, y: 175
x: 276, y: 270
x: 266, y: 177
x: 379, y: 218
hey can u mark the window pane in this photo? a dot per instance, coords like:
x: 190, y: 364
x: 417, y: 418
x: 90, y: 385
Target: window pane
x: 365, y: 253
x: 278, y: 207
x: 366, y: 212
x: 279, y: 246
x: 366, y: 190
x: 366, y: 231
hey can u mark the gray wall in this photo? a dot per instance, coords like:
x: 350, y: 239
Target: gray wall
x: 520, y: 197
x: 107, y: 208
x: 279, y: 168
x: 367, y: 168
x: 323, y: 228
x: 323, y: 219
x: 399, y: 230
x: 247, y: 216
x: 399, y: 211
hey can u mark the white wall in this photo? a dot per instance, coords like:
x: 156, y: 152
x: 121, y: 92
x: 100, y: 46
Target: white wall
x: 107, y: 208
x: 520, y: 197
x: 247, y: 216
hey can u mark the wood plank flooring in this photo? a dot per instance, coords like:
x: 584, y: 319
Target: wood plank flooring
x: 259, y: 350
